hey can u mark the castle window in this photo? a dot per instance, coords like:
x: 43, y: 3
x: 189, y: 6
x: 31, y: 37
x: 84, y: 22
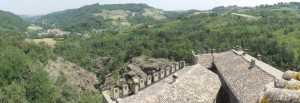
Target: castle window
x: 116, y: 90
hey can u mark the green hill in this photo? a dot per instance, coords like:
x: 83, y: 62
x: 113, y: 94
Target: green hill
x: 98, y: 17
x: 271, y: 30
x: 10, y: 22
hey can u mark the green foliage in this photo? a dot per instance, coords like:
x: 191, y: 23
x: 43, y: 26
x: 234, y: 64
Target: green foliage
x: 40, y: 52
x: 87, y: 97
x: 23, y: 79
x: 13, y: 93
x: 39, y: 88
x: 83, y: 20
x: 11, y: 23
x: 13, y: 63
x: 274, y: 35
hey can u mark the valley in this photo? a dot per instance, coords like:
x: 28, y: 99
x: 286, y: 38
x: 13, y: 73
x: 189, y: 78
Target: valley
x: 75, y: 54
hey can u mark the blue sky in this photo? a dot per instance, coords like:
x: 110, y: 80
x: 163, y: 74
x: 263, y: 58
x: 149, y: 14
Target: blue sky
x: 38, y: 7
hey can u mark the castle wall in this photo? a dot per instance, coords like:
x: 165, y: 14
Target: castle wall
x: 135, y: 88
x: 167, y: 71
x: 106, y: 98
x: 176, y: 66
x: 125, y: 90
x: 116, y: 93
x: 173, y: 68
x: 155, y: 77
x: 142, y: 83
x: 149, y: 80
x: 162, y: 73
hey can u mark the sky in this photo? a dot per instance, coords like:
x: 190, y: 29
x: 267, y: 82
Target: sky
x: 41, y: 7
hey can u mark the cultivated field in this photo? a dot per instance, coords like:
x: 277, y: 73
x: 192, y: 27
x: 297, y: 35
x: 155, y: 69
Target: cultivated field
x: 246, y: 16
x: 49, y: 41
x: 34, y: 27
x: 155, y: 13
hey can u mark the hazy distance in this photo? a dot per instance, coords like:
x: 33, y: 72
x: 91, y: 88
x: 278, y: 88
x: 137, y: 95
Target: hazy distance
x: 40, y: 7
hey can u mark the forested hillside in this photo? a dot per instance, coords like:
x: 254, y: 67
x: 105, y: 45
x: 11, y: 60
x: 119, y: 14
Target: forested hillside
x: 270, y: 30
x: 10, y: 22
x: 24, y: 79
x: 122, y: 31
x: 97, y: 17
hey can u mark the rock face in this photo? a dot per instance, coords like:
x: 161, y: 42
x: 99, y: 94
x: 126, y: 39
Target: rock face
x: 101, y: 62
x: 150, y: 64
x: 73, y: 74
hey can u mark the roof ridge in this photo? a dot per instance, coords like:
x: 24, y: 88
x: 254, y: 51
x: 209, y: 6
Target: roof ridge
x: 261, y: 65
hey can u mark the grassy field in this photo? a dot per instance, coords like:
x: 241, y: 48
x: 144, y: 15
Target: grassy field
x: 246, y: 16
x: 49, y: 41
x: 155, y: 13
x: 112, y: 14
x: 34, y: 27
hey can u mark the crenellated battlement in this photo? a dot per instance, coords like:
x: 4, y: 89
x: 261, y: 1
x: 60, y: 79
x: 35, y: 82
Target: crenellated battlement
x: 132, y: 83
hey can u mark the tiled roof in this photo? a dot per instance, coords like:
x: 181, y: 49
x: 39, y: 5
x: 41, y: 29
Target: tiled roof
x: 194, y: 84
x: 265, y: 67
x: 245, y: 82
x: 205, y: 60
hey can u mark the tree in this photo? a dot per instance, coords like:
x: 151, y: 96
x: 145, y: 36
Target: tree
x: 13, y: 63
x: 39, y: 89
x: 13, y: 93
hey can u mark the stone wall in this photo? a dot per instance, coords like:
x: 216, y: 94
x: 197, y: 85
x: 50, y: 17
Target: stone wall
x: 143, y: 83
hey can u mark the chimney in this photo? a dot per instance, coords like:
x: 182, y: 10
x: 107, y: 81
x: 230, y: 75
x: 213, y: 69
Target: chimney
x: 258, y: 56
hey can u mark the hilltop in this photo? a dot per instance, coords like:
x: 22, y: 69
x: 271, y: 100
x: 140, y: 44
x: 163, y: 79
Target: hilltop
x: 273, y: 34
x: 101, y: 39
x: 98, y: 17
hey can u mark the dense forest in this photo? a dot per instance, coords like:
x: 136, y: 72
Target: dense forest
x: 83, y: 19
x: 11, y: 23
x: 273, y: 34
x: 23, y: 78
x: 271, y: 30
